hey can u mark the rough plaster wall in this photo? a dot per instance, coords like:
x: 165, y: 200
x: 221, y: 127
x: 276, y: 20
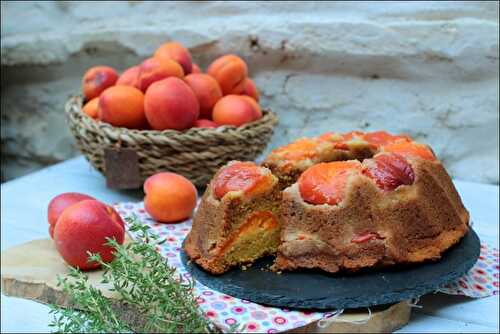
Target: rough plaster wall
x: 427, y: 69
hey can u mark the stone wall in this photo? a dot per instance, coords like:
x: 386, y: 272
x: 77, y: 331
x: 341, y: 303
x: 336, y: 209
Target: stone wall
x: 429, y: 69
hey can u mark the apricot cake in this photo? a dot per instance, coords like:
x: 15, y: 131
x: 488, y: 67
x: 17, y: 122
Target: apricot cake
x: 337, y: 202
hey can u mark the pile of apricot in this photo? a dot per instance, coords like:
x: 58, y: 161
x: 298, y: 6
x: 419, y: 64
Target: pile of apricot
x: 169, y: 91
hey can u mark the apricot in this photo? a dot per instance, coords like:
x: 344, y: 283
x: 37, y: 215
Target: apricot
x: 207, y: 91
x: 304, y: 148
x: 250, y: 89
x: 379, y: 138
x: 156, y: 69
x: 130, y: 77
x: 58, y: 204
x: 325, y: 183
x: 123, y: 106
x: 205, y: 123
x: 255, y: 106
x: 240, y: 176
x: 411, y: 150
x: 233, y: 110
x: 91, y: 108
x: 83, y: 227
x: 230, y: 71
x: 389, y: 171
x: 169, y: 197
x: 176, y: 52
x: 196, y: 69
x: 96, y: 80
x: 171, y: 104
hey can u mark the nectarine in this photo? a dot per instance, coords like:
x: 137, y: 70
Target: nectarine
x: 58, y: 204
x: 84, y: 227
x: 123, y: 106
x: 169, y: 197
x: 96, y: 80
x: 207, y: 91
x: 171, y: 104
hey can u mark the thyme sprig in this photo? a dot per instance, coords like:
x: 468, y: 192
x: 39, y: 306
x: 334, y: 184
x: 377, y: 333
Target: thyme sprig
x: 159, y: 298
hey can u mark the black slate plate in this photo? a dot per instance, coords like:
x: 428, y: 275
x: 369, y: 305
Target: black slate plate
x: 319, y: 290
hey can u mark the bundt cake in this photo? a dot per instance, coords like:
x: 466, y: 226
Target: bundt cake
x: 334, y: 202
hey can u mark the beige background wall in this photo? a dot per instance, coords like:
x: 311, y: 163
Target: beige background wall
x: 427, y: 69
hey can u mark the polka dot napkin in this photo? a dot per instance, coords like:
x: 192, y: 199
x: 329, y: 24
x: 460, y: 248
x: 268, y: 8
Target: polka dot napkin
x: 225, y: 311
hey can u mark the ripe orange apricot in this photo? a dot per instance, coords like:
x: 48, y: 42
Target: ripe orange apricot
x: 171, y: 104
x: 155, y: 69
x: 389, y: 171
x: 122, y: 106
x: 250, y: 89
x: 207, y: 91
x: 205, y: 123
x: 325, y: 183
x: 230, y: 71
x: 196, y: 69
x: 240, y: 176
x: 130, y: 77
x: 410, y: 149
x: 91, y: 108
x: 83, y: 227
x: 176, y: 52
x: 255, y: 106
x: 233, y: 110
x: 96, y: 80
x: 169, y: 197
x: 58, y: 204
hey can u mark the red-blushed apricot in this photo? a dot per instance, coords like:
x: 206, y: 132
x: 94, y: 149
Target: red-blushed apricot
x: 169, y: 197
x: 379, y: 138
x: 389, y: 171
x: 58, y: 204
x: 96, y: 80
x: 83, y: 227
x: 91, y: 108
x: 230, y: 71
x: 255, y: 106
x: 233, y: 110
x: 176, y: 52
x: 204, y: 123
x: 122, y: 106
x: 171, y: 104
x: 411, y: 150
x: 249, y: 89
x: 156, y: 69
x: 325, y: 183
x: 207, y: 91
x: 130, y: 77
x: 196, y: 69
x: 241, y: 176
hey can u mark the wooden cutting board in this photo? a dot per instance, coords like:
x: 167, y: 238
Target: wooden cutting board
x: 30, y: 271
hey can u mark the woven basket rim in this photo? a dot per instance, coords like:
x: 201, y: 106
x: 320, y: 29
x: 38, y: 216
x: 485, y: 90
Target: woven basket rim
x: 268, y: 116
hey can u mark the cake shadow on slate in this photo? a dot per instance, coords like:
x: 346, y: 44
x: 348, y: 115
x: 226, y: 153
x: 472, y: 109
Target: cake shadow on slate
x: 337, y: 202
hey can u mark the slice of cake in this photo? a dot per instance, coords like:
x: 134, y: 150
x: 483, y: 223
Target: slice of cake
x: 237, y: 221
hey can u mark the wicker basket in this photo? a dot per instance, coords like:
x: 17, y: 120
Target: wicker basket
x: 195, y: 153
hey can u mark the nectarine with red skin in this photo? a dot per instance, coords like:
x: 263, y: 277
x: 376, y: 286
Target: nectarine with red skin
x: 84, y: 227
x: 60, y: 203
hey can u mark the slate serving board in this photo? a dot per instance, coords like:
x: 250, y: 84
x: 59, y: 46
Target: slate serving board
x: 319, y: 290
